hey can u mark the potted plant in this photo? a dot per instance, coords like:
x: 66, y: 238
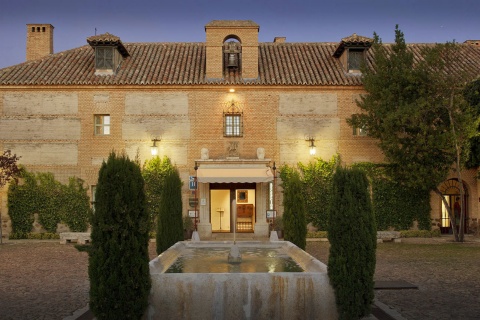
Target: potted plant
x: 278, y: 226
x: 188, y: 227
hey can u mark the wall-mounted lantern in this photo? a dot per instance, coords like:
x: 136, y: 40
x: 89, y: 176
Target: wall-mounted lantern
x: 154, y: 147
x: 313, y: 149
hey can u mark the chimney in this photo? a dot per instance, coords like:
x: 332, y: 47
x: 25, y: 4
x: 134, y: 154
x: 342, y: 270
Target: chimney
x: 475, y: 43
x: 280, y: 39
x: 39, y: 41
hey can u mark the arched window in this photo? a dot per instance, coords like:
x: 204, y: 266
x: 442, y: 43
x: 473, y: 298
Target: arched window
x: 451, y: 190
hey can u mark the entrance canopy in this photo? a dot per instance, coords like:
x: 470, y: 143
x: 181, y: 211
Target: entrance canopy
x: 234, y: 175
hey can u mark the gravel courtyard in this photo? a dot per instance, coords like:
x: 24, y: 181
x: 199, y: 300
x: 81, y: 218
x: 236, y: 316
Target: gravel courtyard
x: 47, y: 280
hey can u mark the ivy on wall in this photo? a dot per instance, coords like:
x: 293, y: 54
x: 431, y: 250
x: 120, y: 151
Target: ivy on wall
x: 317, y: 180
x: 53, y: 201
x: 154, y: 173
x: 398, y: 207
x: 394, y: 205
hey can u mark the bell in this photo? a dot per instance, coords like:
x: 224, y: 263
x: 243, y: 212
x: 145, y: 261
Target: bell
x: 232, y: 60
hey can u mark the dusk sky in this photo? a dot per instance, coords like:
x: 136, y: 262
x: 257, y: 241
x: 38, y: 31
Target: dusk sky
x: 184, y: 20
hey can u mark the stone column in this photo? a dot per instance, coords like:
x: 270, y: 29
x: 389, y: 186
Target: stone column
x: 204, y: 227
x: 261, y: 197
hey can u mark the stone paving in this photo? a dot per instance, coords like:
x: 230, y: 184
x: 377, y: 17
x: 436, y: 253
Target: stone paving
x: 47, y: 280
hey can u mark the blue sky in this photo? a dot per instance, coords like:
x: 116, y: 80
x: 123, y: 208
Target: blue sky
x: 184, y: 20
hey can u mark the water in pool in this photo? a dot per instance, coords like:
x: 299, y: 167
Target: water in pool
x: 214, y: 260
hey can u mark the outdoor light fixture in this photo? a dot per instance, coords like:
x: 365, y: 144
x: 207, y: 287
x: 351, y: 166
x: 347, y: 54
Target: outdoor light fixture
x: 313, y: 149
x: 154, y: 147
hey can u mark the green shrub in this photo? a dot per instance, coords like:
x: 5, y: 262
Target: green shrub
x: 84, y: 248
x: 353, y: 240
x: 317, y: 182
x: 398, y: 207
x: 154, y: 172
x: 317, y: 234
x: 54, y: 202
x: 170, y: 223
x: 295, y: 225
x: 394, y: 206
x: 420, y: 233
x: 118, y: 261
x: 32, y: 235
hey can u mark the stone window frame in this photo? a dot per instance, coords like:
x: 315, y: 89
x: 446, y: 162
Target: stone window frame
x: 102, y: 124
x: 233, y: 124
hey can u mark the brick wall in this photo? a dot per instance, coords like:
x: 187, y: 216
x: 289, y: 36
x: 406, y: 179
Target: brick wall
x: 187, y: 119
x: 248, y: 37
x: 39, y: 40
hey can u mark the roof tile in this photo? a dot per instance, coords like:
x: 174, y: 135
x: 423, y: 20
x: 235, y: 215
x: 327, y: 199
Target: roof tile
x: 295, y: 64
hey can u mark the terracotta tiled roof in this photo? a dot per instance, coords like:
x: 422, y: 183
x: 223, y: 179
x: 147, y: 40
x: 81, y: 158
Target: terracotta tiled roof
x: 184, y: 64
x: 352, y: 41
x: 103, y: 38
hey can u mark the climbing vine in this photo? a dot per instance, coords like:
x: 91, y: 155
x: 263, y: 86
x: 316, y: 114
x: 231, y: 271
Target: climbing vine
x: 394, y: 205
x: 53, y: 201
x: 317, y: 180
x: 154, y: 173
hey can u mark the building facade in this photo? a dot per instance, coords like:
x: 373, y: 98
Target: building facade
x: 227, y: 112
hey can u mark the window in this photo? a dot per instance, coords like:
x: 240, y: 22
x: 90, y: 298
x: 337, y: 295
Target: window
x: 356, y: 58
x: 102, y: 124
x: 233, y: 125
x: 233, y: 119
x: 104, y: 58
x: 362, y: 132
x: 93, y: 189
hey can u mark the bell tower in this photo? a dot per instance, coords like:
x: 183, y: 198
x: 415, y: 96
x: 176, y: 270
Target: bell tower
x: 222, y: 53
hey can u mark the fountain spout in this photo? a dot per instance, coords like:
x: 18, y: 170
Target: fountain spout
x: 234, y: 256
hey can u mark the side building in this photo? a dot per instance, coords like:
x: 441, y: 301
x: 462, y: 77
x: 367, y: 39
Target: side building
x: 227, y: 112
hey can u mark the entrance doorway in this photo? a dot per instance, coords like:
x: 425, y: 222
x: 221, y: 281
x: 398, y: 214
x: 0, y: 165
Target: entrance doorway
x: 451, y: 190
x: 221, y: 211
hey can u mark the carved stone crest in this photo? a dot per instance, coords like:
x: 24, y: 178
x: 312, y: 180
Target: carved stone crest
x: 232, y: 149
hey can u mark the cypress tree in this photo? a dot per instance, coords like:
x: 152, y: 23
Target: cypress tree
x: 170, y: 222
x: 118, y: 263
x: 353, y: 241
x: 294, y: 221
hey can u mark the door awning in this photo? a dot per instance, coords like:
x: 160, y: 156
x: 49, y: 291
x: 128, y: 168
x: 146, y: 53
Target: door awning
x: 234, y: 175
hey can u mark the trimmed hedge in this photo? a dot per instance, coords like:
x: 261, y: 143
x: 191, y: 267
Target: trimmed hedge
x: 420, y: 233
x: 31, y: 235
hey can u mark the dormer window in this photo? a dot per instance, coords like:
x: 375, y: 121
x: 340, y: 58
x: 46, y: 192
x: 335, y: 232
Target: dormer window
x: 356, y: 58
x: 104, y: 58
x: 109, y: 53
x: 352, y: 52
